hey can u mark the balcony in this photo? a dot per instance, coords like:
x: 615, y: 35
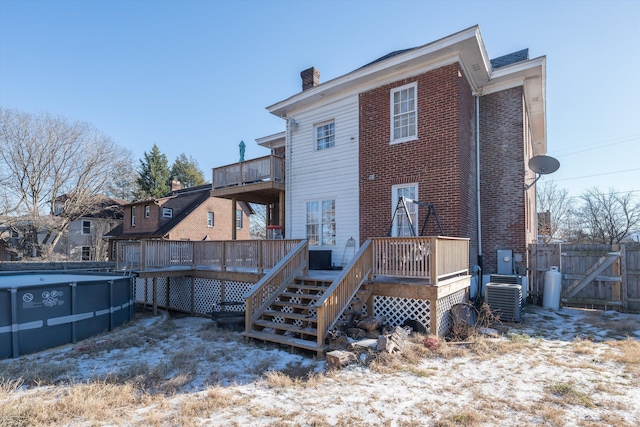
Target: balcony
x: 258, y: 180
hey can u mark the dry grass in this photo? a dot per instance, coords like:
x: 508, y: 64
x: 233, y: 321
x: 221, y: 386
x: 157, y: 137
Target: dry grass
x: 440, y: 384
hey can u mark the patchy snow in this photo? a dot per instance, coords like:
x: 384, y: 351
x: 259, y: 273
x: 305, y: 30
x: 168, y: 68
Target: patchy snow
x: 567, y: 348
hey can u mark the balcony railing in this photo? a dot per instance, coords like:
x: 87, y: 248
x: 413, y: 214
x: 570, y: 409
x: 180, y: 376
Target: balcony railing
x: 434, y: 257
x: 263, y: 169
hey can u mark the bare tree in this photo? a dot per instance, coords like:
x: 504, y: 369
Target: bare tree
x: 259, y: 221
x: 555, y: 208
x: 43, y: 157
x: 609, y: 217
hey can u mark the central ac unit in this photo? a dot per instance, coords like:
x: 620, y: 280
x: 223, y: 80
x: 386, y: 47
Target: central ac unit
x: 514, y: 279
x: 504, y: 300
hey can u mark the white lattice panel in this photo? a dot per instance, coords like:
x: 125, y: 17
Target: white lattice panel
x: 161, y: 289
x: 207, y: 293
x: 235, y: 291
x: 397, y: 310
x: 180, y: 293
x: 444, y: 310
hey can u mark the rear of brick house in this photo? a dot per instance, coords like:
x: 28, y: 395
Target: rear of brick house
x: 440, y: 123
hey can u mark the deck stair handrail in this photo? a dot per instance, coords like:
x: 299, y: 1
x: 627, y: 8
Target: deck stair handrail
x: 263, y: 293
x: 338, y: 296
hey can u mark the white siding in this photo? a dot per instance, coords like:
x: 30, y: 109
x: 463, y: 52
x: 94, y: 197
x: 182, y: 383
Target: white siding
x: 325, y: 174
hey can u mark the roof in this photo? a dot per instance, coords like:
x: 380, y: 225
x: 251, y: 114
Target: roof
x: 389, y: 55
x: 511, y: 58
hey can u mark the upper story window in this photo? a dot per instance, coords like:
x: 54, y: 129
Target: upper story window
x: 404, y: 113
x: 209, y: 219
x: 325, y: 135
x: 147, y: 210
x: 167, y: 213
x: 133, y: 216
x: 86, y: 227
x: 238, y: 218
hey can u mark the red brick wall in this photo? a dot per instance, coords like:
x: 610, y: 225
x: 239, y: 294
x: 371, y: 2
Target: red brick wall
x: 194, y: 226
x: 502, y: 157
x: 440, y: 160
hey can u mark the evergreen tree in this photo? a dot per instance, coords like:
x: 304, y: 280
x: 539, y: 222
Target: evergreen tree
x: 187, y: 171
x: 154, y: 174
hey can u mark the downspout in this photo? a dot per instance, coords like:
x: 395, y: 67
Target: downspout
x: 479, y: 266
x: 287, y: 176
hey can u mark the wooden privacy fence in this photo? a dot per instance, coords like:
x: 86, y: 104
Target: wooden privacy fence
x: 592, y: 275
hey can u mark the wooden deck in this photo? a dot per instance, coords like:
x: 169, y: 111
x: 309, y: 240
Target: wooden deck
x: 277, y: 272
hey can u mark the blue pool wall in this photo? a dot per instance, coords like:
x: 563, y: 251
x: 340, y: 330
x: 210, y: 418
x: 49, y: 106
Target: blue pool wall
x: 41, y: 310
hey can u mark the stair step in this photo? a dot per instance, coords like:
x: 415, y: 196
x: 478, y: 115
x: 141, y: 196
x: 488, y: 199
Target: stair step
x: 307, y: 287
x: 285, y: 327
x: 292, y: 305
x: 282, y: 339
x: 296, y: 295
x: 292, y: 316
x: 306, y: 280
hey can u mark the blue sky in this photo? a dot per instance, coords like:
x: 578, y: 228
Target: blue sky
x: 195, y: 76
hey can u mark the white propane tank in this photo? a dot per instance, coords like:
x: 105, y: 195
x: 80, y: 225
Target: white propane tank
x: 552, y: 288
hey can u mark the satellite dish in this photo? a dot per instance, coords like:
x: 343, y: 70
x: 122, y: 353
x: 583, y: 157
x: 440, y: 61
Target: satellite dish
x: 542, y: 165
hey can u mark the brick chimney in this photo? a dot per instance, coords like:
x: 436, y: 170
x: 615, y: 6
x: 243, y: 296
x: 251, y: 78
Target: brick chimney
x: 310, y: 78
x: 176, y: 185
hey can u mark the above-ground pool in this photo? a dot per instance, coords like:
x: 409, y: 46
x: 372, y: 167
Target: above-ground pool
x: 40, y: 310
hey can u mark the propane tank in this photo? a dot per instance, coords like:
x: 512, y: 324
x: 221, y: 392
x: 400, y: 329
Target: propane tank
x: 552, y: 288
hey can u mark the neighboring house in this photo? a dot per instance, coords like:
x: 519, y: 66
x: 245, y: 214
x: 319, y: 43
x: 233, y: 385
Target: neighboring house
x: 184, y: 214
x: 83, y: 240
x: 439, y: 123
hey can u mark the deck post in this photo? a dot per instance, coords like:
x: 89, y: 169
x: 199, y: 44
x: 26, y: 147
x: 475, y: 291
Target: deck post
x: 143, y: 255
x: 233, y: 215
x: 155, y: 296
x: 260, y: 263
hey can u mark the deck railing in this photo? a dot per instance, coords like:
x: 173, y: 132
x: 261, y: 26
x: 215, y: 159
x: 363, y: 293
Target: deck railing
x: 268, y: 168
x: 219, y: 254
x: 432, y: 257
x: 338, y: 296
x: 263, y: 293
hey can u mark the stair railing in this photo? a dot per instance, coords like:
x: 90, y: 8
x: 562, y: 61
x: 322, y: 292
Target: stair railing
x: 263, y: 293
x: 338, y: 296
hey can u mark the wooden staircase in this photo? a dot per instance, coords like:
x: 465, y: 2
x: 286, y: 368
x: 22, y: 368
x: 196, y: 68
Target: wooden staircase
x: 291, y: 319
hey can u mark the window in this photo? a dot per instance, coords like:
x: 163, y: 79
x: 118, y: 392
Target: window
x: 403, y: 113
x: 167, y: 213
x: 401, y: 225
x: 146, y: 211
x: 321, y: 223
x: 133, y: 216
x: 238, y: 218
x: 86, y: 227
x: 325, y: 135
x: 210, y: 219
x: 86, y: 253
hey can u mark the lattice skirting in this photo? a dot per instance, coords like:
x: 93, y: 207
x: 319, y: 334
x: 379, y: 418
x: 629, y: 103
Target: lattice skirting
x: 207, y: 293
x: 398, y: 310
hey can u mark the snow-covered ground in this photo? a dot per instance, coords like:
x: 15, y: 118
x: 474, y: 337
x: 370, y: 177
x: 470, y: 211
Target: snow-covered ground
x: 558, y: 367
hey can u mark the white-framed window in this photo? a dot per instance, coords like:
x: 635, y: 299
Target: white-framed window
x: 401, y: 225
x: 321, y: 223
x: 167, y: 213
x: 238, y: 218
x: 86, y: 227
x: 86, y: 253
x: 209, y: 219
x: 404, y: 112
x: 325, y: 135
x: 133, y: 216
x: 147, y: 211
